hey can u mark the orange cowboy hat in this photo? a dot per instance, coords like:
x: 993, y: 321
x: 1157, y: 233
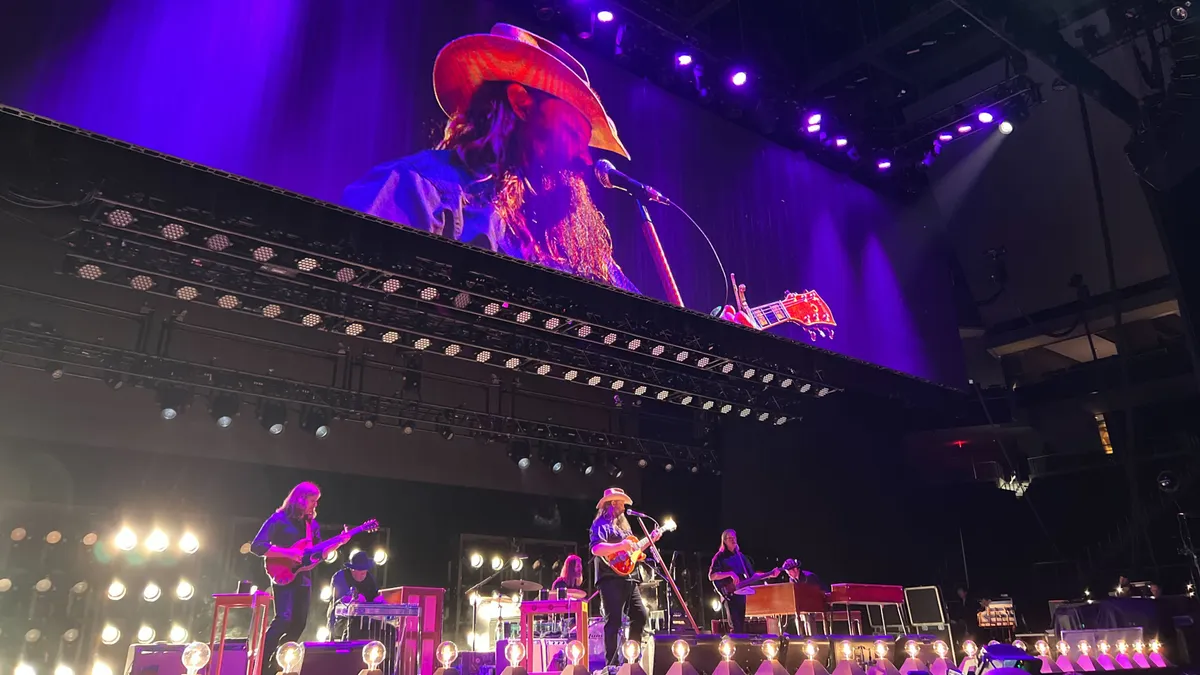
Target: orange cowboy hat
x: 614, y: 495
x: 511, y: 54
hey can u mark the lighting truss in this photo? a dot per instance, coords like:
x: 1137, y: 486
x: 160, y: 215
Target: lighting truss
x: 35, y: 349
x: 417, y: 304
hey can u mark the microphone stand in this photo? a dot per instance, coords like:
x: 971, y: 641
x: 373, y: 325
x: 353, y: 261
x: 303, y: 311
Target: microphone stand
x: 475, y: 608
x: 666, y: 573
x: 660, y: 259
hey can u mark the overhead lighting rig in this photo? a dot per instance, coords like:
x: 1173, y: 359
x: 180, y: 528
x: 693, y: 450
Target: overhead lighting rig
x: 318, y: 404
x: 417, y: 304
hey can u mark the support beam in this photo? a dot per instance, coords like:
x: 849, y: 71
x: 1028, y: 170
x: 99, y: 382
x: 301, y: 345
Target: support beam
x: 706, y: 11
x: 1014, y: 23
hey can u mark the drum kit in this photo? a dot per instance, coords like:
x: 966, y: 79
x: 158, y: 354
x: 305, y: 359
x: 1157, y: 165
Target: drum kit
x: 510, y: 609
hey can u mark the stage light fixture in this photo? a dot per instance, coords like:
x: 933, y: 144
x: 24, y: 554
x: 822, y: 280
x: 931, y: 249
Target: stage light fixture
x: 263, y: 254
x: 407, y: 428
x: 683, y: 59
x: 380, y: 557
x: 126, y: 539
x: 316, y: 422
x: 518, y: 452
x: 228, y: 301
x: 570, y: 375
x: 172, y: 401
x: 55, y: 370
x: 355, y: 329
x: 217, y: 242
x: 945, y: 137
x: 311, y: 320
x: 669, y: 466
x: 116, y: 590
x: 43, y: 585
x: 185, y: 590
x: 145, y: 634
x: 157, y: 541
x: 640, y: 390
x: 177, y: 634
x: 119, y: 218
x: 70, y: 635
x: 80, y: 588
x: 152, y: 592
x: 53, y: 537
x: 883, y: 164
x: 686, y: 400
x: 446, y: 432
x: 110, y: 634
x: 224, y: 408
x: 604, y: 16
x: 272, y: 311
x: 1006, y: 127
x: 739, y: 78
x: 543, y: 369
x: 964, y: 128
x: 141, y: 282
x: 593, y: 380
x: 497, y: 563
x: 272, y: 415
x: 23, y: 668
x: 89, y: 272
x: 727, y: 368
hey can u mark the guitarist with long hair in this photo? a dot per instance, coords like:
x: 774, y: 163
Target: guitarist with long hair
x: 729, y: 568
x: 294, y: 521
x: 611, y: 535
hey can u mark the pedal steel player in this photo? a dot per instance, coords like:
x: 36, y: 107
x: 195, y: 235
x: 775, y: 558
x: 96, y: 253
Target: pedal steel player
x: 353, y: 583
x: 729, y: 567
x: 620, y: 596
x: 293, y: 521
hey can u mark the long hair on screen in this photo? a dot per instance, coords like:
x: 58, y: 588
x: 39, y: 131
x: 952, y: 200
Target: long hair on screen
x: 484, y: 138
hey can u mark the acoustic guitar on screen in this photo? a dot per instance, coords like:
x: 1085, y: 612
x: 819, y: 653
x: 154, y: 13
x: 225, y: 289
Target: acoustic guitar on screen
x: 283, y: 571
x: 807, y: 309
x: 625, y: 562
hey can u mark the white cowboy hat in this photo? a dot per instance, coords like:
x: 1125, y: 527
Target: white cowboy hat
x: 511, y: 54
x: 614, y: 495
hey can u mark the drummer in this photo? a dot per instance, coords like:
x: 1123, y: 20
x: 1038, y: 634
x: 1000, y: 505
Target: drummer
x: 571, y: 576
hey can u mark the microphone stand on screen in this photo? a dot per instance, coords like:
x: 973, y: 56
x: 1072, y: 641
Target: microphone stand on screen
x: 611, y: 177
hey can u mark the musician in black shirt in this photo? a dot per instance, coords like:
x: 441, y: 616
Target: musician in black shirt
x: 294, y: 521
x: 728, y: 568
x: 611, y: 535
x: 352, y: 583
x: 571, y: 576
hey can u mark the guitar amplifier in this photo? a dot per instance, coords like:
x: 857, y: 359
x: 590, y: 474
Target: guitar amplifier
x: 335, y: 658
x: 163, y: 659
x: 704, y: 656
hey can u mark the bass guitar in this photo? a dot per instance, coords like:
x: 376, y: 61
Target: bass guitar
x: 625, y: 562
x: 728, y: 587
x: 283, y: 571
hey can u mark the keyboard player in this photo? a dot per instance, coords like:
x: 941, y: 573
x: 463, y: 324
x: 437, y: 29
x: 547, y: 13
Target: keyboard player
x: 353, y: 583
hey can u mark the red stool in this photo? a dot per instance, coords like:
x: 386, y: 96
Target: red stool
x: 259, y: 604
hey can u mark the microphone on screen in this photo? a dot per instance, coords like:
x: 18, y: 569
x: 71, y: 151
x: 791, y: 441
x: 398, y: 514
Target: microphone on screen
x: 612, y: 177
x: 631, y: 512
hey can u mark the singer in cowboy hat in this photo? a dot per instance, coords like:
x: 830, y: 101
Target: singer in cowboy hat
x: 509, y: 172
x: 620, y: 595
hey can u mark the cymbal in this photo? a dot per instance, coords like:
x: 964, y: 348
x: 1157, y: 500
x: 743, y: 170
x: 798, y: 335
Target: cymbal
x: 521, y: 585
x: 576, y: 593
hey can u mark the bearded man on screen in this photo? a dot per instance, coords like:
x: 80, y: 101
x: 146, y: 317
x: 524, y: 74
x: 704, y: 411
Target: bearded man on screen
x: 509, y: 173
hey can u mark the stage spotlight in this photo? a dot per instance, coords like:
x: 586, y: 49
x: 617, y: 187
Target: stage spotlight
x: 273, y: 417
x: 518, y: 452
x: 945, y: 137
x: 614, y: 469
x: 316, y: 422
x: 476, y: 560
x: 172, y: 401
x: 145, y: 634
x: 101, y: 668
x: 715, y: 604
x: 814, y: 118
x: 152, y: 592
x: 53, y: 537
x: 883, y: 164
x: 604, y: 16
x: 188, y: 543
x: 223, y: 409
x: 380, y: 557
x: 24, y: 669
x: 683, y: 59
x: 185, y: 590
x: 517, y: 564
x: 446, y: 432
x: 43, y: 585
x: 70, y: 635
x: 331, y: 557
x: 126, y: 539
x: 116, y: 590
x: 985, y: 117
x: 157, y: 541
x: 739, y: 78
x: 407, y: 427
x: 55, y: 370
x: 840, y: 142
x: 80, y: 588
x: 110, y: 634
x: 964, y: 128
x: 1006, y: 127
x: 497, y: 563
x: 177, y: 635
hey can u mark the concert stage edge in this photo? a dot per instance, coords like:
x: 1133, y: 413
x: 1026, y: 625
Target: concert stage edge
x: 529, y: 314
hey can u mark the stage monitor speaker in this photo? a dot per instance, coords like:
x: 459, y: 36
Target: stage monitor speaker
x: 924, y: 606
x: 704, y: 656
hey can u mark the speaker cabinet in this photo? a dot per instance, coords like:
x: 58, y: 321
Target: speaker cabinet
x: 704, y: 656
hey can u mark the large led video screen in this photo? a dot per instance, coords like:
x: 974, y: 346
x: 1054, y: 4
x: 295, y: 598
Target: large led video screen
x: 428, y: 114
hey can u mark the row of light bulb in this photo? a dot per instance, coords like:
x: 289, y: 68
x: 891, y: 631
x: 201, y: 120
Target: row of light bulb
x: 111, y: 635
x: 380, y: 556
x: 157, y: 541
x: 497, y: 562
x: 184, y: 590
x: 20, y: 534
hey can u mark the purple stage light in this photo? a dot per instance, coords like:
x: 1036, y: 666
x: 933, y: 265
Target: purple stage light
x: 814, y: 128
x: 814, y: 118
x: 965, y: 128
x: 604, y: 16
x: 739, y: 78
x: 884, y: 164
x: 840, y: 142
x: 985, y: 117
x: 684, y: 59
x: 945, y: 136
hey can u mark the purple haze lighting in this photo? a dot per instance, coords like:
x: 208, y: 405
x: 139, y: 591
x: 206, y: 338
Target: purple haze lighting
x: 814, y: 118
x: 739, y: 78
x: 604, y: 16
x: 684, y: 59
x: 840, y: 142
x: 965, y: 128
x: 985, y: 117
x: 945, y: 136
x: 884, y: 164
x: 814, y: 128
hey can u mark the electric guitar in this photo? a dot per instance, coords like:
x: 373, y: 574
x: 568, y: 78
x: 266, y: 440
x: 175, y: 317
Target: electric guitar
x: 728, y: 587
x: 283, y: 571
x: 625, y: 562
x: 807, y: 309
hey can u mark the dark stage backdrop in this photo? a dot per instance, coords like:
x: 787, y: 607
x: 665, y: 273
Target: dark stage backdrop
x: 309, y: 95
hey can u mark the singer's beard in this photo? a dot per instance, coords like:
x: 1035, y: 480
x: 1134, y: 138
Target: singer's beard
x: 557, y: 224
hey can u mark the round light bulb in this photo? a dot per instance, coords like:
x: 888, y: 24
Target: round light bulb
x: 1138, y: 647
x: 447, y: 653
x: 188, y: 543
x: 881, y: 649
x: 1084, y: 647
x: 846, y: 649
x: 145, y: 635
x: 726, y: 648
x: 1155, y: 646
x: 970, y: 649
x: 101, y: 668
x: 770, y: 649
x: 185, y: 590
x: 911, y: 648
x: 126, y: 539
x: 1020, y: 644
x: 1102, y: 646
x: 1122, y: 647
x: 1063, y: 647
x: 196, y: 656
x: 941, y: 649
x: 373, y: 653
x: 476, y: 560
x: 1042, y: 647
x: 152, y: 592
x: 157, y: 541
x: 680, y: 649
x: 110, y: 634
x: 517, y: 564
x: 631, y: 650
x: 177, y: 634
x: 810, y: 649
x: 290, y: 656
x: 575, y: 652
x: 380, y: 557
x: 497, y: 563
x: 514, y: 653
